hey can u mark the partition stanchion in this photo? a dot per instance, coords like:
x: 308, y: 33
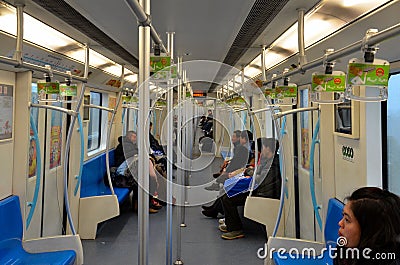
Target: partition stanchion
x: 143, y: 135
x: 170, y: 121
x: 179, y: 162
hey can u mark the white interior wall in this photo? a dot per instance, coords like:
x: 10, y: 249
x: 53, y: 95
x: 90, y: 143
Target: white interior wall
x: 6, y: 146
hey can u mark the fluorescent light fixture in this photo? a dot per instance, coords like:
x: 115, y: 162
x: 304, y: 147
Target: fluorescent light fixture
x: 251, y: 71
x: 257, y: 61
x: 316, y: 27
x: 272, y: 58
x: 362, y: 4
x: 43, y: 35
x: 114, y: 70
x: 34, y: 30
x: 132, y: 77
x: 318, y: 23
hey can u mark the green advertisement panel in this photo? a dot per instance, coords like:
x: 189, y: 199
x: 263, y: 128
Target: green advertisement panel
x: 48, y: 88
x: 66, y: 90
x: 368, y: 74
x: 158, y: 63
x: 286, y: 91
x: 328, y: 83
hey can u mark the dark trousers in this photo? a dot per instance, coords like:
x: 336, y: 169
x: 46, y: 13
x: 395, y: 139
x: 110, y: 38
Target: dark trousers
x: 232, y: 218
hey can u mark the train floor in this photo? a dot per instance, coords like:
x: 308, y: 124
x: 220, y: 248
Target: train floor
x: 117, y: 239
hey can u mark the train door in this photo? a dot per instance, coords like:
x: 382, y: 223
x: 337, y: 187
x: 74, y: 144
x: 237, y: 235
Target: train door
x: 48, y: 215
x: 34, y: 183
x: 53, y: 202
x: 306, y: 122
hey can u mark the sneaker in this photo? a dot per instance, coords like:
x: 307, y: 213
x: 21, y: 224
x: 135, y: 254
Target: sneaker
x: 221, y: 221
x: 214, y: 186
x: 233, y: 235
x: 223, y: 228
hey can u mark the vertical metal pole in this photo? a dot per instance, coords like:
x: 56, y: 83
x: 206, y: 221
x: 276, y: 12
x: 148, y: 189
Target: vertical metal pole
x: 143, y: 137
x: 170, y: 131
x: 243, y: 78
x: 20, y: 33
x: 185, y: 147
x: 179, y: 162
x: 263, y: 54
x: 300, y: 30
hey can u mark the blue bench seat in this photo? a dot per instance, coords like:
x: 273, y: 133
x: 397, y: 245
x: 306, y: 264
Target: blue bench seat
x: 92, y: 183
x: 11, y: 249
x: 333, y: 216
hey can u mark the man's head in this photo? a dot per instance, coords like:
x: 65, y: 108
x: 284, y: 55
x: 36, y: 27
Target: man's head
x: 269, y: 147
x: 131, y: 135
x: 236, y: 137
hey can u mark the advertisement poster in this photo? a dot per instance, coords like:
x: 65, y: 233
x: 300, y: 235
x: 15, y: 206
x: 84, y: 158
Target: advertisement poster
x: 368, y: 74
x: 305, y: 153
x: 305, y: 132
x: 328, y: 83
x: 6, y: 111
x: 55, y: 139
x: 111, y: 104
x: 32, y: 157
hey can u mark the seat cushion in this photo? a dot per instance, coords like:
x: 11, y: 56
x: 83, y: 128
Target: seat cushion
x: 17, y: 255
x: 122, y: 193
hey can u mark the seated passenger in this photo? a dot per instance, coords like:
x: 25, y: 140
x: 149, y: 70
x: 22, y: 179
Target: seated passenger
x: 126, y: 148
x: 241, y: 157
x: 158, y: 150
x: 370, y: 224
x: 268, y: 175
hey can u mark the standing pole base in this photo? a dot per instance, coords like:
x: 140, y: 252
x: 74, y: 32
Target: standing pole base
x: 183, y: 225
x: 178, y: 262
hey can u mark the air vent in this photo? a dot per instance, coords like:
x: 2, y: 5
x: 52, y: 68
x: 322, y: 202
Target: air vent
x: 259, y: 17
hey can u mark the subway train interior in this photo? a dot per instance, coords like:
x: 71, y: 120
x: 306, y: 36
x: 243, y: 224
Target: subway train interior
x: 121, y: 125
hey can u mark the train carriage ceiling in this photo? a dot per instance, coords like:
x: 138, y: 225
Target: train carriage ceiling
x: 229, y: 31
x: 217, y: 30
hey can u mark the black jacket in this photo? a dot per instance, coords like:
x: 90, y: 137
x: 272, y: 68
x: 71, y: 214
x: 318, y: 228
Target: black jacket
x: 239, y: 160
x: 125, y: 149
x: 268, y: 174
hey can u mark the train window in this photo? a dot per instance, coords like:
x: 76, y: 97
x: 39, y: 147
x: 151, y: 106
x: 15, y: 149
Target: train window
x: 347, y: 118
x: 94, y: 130
x: 393, y: 128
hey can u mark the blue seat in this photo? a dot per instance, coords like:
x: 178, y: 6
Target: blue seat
x: 92, y: 179
x: 334, y: 215
x: 11, y: 249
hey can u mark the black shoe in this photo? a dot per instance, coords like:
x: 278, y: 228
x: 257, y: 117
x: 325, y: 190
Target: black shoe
x: 216, y: 175
x: 174, y: 166
x: 214, y: 186
x: 210, y: 213
x: 205, y: 207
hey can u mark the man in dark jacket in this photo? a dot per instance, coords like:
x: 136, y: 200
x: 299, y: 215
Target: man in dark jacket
x: 126, y: 148
x: 154, y: 144
x: 268, y: 175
